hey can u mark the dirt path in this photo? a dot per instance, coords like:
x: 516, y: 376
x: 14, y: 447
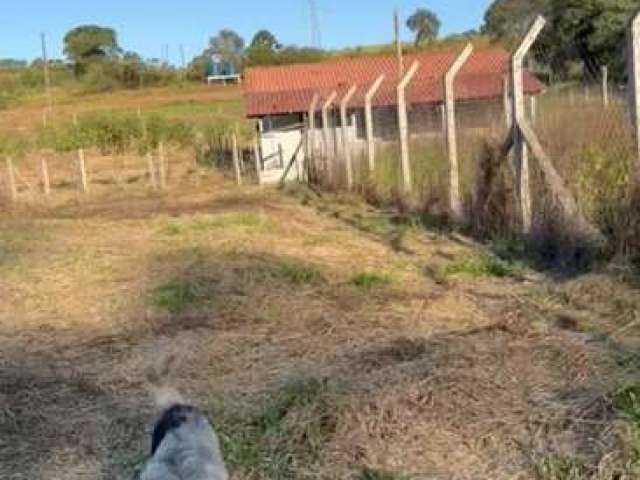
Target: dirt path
x: 327, y: 340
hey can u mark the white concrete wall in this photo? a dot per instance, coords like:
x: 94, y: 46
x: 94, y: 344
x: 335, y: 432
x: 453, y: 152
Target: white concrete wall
x: 290, y: 140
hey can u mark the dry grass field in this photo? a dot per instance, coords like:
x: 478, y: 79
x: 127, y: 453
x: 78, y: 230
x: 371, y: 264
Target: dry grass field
x: 223, y: 102
x: 325, y: 339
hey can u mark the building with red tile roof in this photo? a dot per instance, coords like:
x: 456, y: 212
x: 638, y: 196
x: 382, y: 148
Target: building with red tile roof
x: 289, y: 89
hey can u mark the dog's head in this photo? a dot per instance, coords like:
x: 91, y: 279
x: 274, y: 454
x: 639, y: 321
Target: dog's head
x: 172, y: 419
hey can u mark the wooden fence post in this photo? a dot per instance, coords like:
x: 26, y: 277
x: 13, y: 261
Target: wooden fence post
x: 150, y: 164
x: 44, y: 172
x: 82, y: 166
x: 11, y: 179
x: 346, y: 147
x: 455, y: 203
x: 521, y: 158
x: 162, y: 167
x: 634, y: 87
x: 152, y: 170
x: 368, y: 121
x: 605, y: 86
x: 83, y: 171
x: 403, y: 126
x: 258, y: 160
x: 236, y: 161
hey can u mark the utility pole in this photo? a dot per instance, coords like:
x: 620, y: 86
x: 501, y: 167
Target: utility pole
x: 396, y: 31
x: 316, y: 36
x: 47, y: 76
x: 184, y: 63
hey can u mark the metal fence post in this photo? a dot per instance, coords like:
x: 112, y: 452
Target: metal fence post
x: 368, y: 121
x: 346, y: 148
x: 403, y: 126
x: 455, y: 203
x: 162, y: 166
x: 521, y: 157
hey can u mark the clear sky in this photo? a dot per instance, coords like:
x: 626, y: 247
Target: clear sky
x: 145, y: 25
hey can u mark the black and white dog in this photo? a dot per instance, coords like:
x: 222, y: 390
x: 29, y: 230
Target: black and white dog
x: 184, y: 446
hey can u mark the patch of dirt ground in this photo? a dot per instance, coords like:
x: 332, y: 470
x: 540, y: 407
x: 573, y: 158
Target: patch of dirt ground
x: 319, y: 348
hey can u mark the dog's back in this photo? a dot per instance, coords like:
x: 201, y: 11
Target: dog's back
x: 184, y: 446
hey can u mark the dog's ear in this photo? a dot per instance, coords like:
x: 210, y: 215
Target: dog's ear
x: 166, y: 397
x: 159, y: 379
x: 161, y: 372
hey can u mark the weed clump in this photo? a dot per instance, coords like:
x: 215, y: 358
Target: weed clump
x: 626, y: 401
x: 238, y: 222
x: 294, y: 273
x: 283, y: 434
x: 485, y: 265
x: 370, y: 279
x: 175, y: 297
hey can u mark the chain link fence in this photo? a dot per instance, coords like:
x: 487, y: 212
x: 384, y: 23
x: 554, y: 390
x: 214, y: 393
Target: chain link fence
x: 578, y: 114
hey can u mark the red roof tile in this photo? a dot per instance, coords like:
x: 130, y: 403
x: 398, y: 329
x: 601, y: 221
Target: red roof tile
x: 290, y: 88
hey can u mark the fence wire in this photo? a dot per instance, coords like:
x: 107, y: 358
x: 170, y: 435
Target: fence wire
x: 583, y: 121
x: 579, y: 111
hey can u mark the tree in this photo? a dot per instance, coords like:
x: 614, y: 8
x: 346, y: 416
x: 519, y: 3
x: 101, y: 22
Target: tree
x: 197, y: 68
x: 263, y: 49
x: 264, y: 39
x: 588, y: 32
x: 510, y: 18
x: 229, y: 46
x: 86, y: 43
x: 425, y: 24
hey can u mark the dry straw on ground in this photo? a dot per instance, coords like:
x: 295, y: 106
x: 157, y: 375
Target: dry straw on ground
x: 442, y: 370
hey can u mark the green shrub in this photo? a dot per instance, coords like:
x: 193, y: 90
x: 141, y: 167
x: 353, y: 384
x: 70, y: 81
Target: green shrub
x: 603, y: 181
x: 294, y: 272
x: 626, y: 401
x: 370, y: 279
x: 483, y: 266
x: 175, y: 297
x: 560, y: 468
